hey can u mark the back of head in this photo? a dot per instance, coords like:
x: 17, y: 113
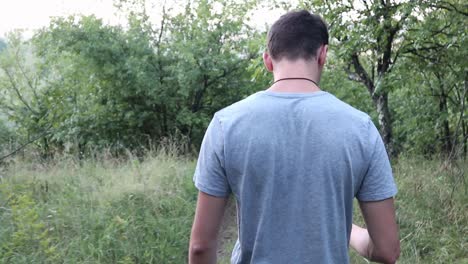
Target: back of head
x: 297, y: 35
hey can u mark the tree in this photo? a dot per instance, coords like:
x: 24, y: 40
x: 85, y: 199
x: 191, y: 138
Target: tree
x: 104, y: 80
x: 23, y: 100
x: 437, y: 48
x: 3, y: 44
x: 126, y: 87
x: 212, y: 53
x: 369, y: 36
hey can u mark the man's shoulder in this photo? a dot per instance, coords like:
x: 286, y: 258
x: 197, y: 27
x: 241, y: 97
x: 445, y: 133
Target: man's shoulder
x: 238, y: 108
x: 349, y: 111
x: 327, y: 102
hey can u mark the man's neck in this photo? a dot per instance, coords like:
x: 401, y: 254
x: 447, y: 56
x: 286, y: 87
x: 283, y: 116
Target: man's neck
x: 285, y: 70
x: 294, y: 86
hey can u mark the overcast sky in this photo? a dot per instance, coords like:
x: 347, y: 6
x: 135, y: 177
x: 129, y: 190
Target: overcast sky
x: 34, y: 14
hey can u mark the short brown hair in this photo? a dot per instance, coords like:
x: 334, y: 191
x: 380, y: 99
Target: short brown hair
x: 297, y: 35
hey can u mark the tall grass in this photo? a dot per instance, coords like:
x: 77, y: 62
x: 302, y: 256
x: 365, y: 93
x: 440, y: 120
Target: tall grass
x: 140, y: 210
x: 432, y: 211
x: 103, y: 210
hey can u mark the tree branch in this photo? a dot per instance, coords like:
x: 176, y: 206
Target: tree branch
x: 449, y: 7
x: 15, y: 88
x: 361, y: 72
x: 23, y: 146
x: 28, y: 81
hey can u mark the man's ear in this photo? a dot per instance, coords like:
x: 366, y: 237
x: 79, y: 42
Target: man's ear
x: 322, y: 56
x: 268, y: 61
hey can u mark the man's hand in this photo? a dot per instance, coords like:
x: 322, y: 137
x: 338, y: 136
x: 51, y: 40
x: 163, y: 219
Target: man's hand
x: 204, y: 237
x: 360, y: 241
x: 380, y: 241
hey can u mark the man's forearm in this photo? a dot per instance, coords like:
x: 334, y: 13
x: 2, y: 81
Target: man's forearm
x: 362, y: 243
x: 204, y: 237
x: 202, y: 254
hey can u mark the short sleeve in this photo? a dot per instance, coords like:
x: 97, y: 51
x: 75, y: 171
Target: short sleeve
x: 378, y: 183
x: 210, y: 176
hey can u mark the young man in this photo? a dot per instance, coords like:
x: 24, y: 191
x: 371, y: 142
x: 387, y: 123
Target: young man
x: 295, y: 157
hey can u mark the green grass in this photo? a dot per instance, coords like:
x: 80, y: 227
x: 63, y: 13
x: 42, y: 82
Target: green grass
x: 131, y: 210
x: 107, y: 211
x: 432, y: 211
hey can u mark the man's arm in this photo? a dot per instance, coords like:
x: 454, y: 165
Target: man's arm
x: 380, y: 242
x: 204, y: 237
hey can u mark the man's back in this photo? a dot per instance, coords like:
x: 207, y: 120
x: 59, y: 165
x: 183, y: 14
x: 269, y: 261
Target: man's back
x: 294, y: 162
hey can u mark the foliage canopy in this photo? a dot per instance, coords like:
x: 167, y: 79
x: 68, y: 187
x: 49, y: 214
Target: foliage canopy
x: 80, y: 84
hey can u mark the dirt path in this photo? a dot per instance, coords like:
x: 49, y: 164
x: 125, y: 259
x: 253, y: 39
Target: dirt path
x: 228, y: 234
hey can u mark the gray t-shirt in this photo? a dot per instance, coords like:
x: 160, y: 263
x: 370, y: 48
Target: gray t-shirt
x: 294, y: 162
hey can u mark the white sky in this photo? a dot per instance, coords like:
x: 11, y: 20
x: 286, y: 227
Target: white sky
x: 34, y: 14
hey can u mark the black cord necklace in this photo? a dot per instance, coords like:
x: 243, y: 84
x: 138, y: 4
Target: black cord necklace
x: 297, y: 78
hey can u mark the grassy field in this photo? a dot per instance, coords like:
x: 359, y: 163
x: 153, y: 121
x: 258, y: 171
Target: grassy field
x: 130, y: 210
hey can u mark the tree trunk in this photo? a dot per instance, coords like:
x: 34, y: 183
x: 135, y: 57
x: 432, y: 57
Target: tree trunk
x: 380, y: 100
x: 445, y: 135
x: 385, y: 122
x: 45, y: 149
x: 465, y: 139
